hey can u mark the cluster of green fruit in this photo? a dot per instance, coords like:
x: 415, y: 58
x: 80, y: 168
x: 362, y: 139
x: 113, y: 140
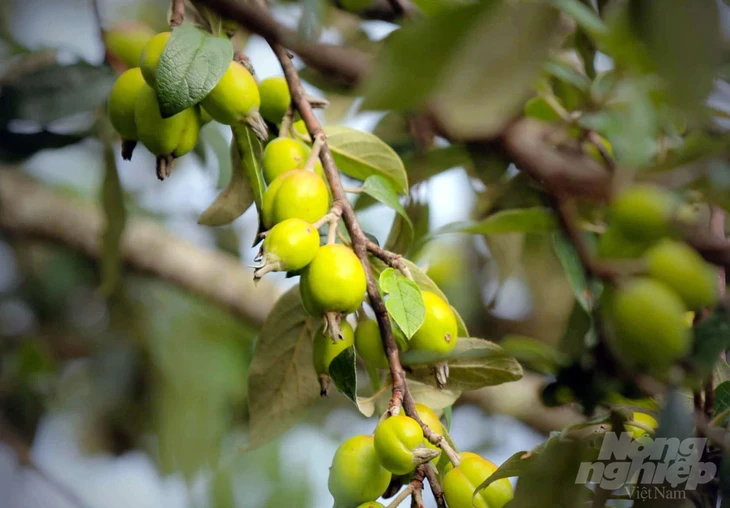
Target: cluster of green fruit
x: 363, y: 466
x: 134, y: 110
x: 645, y: 314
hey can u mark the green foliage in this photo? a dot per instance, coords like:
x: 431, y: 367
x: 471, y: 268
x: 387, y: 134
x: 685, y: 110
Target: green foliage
x: 404, y: 301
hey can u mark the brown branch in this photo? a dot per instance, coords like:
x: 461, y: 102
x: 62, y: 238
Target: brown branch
x: 436, y: 489
x: 346, y: 64
x: 390, y: 258
x: 383, y: 10
x: 177, y: 16
x: 30, y: 209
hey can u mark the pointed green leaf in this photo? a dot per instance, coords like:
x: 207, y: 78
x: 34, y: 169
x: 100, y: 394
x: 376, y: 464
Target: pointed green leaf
x: 404, y: 302
x: 519, y: 220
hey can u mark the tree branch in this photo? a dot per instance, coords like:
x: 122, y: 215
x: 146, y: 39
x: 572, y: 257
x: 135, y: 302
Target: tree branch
x: 30, y: 209
x: 177, y: 16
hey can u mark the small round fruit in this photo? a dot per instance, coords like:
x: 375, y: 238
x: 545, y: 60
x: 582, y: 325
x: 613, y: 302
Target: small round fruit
x: 613, y: 244
x: 300, y: 127
x: 431, y: 419
x: 333, y: 282
x: 121, y: 102
x: 275, y: 98
x: 644, y: 212
x: 282, y: 155
x: 297, y: 194
x: 461, y: 482
x: 369, y: 344
x: 396, y: 439
x: 234, y: 98
x: 324, y: 350
x: 464, y: 455
x: 644, y: 419
x: 356, y: 475
x: 372, y: 504
x: 681, y: 268
x: 150, y: 57
x: 174, y: 136
x: 438, y: 333
x: 648, y: 329
x: 290, y: 245
x: 126, y: 41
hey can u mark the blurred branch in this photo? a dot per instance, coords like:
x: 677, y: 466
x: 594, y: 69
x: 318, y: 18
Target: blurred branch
x: 384, y: 10
x: 177, y: 14
x: 348, y: 64
x: 28, y: 208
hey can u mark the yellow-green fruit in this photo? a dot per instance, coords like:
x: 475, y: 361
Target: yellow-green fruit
x: 324, y: 350
x: 648, y: 330
x: 464, y: 455
x: 395, y: 441
x: 431, y: 419
x: 356, y: 475
x: 126, y: 42
x: 461, y: 482
x: 644, y: 212
x: 333, y: 282
x: 613, y: 244
x: 681, y: 268
x: 644, y: 419
x: 291, y: 245
x: 300, y: 127
x: 438, y: 333
x: 372, y: 504
x: 174, y: 136
x: 297, y: 194
x: 205, y: 117
x: 234, y: 98
x: 275, y: 99
x: 282, y: 155
x: 369, y: 344
x: 121, y: 102
x: 151, y: 57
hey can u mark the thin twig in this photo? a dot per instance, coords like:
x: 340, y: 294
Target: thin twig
x: 178, y: 13
x: 390, y: 258
x: 286, y: 122
x: 436, y: 489
x: 402, y: 496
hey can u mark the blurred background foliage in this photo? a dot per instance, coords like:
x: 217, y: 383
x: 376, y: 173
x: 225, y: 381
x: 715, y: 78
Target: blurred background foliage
x: 131, y: 391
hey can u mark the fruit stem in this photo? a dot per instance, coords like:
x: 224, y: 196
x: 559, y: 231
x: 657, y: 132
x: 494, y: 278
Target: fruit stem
x: 128, y: 146
x: 163, y: 166
x: 314, y: 154
x: 285, y: 131
x: 402, y: 496
x: 352, y: 190
x: 265, y: 268
x: 332, y: 326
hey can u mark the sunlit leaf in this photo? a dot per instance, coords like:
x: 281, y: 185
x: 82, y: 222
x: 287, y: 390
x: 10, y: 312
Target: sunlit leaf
x: 404, y: 302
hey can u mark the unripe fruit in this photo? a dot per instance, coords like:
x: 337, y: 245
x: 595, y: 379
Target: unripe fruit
x: 644, y: 419
x: 121, y: 102
x: 613, y: 244
x: 369, y: 344
x: 461, y: 482
x: 275, y: 98
x: 647, y: 318
x: 324, y: 350
x: 205, y: 117
x: 298, y: 194
x: 372, y: 504
x: 174, y: 136
x: 438, y: 333
x: 333, y: 282
x: 151, y: 57
x: 464, y: 455
x: 282, y: 155
x: 681, y: 268
x: 290, y: 245
x: 431, y: 419
x: 644, y: 212
x: 127, y: 40
x: 398, y: 442
x: 234, y: 98
x: 300, y: 127
x: 356, y: 475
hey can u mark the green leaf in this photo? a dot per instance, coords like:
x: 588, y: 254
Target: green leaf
x: 565, y: 72
x: 382, y: 189
x: 419, y: 277
x: 711, y: 337
x: 404, y: 302
x: 474, y: 364
x: 282, y: 384
x: 513, y: 466
x: 532, y: 352
x: 433, y: 397
x: 462, y: 330
x: 520, y: 220
x: 574, y: 270
x: 424, y: 165
x: 431, y: 61
x: 343, y: 372
x: 403, y: 239
x: 246, y: 185
x: 190, y: 66
x: 586, y: 17
x: 361, y: 154
x: 112, y: 199
x: 722, y: 398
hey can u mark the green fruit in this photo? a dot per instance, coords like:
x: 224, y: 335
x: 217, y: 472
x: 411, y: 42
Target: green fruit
x: 369, y: 344
x: 645, y: 419
x: 150, y: 57
x: 613, y: 244
x: 121, y: 102
x: 372, y: 504
x: 126, y: 42
x: 464, y: 455
x: 234, y: 98
x: 275, y: 99
x: 333, y: 282
x: 644, y: 212
x: 431, y: 419
x: 324, y: 350
x: 297, y: 194
x: 681, y: 268
x: 438, y: 333
x: 356, y: 475
x: 300, y: 127
x: 290, y: 245
x: 396, y: 440
x: 282, y: 155
x: 461, y: 482
x: 174, y: 136
x: 648, y: 329
x: 205, y: 117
